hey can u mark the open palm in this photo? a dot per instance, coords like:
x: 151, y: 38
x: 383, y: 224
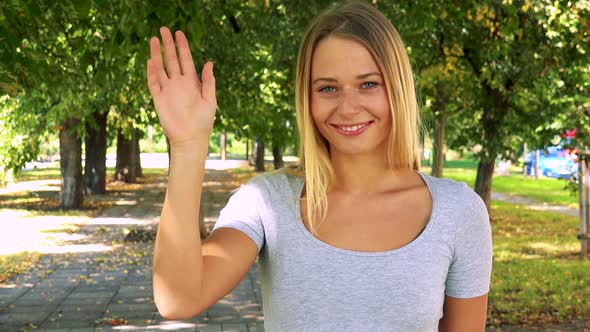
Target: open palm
x: 185, y: 106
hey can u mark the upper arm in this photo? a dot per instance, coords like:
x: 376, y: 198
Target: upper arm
x: 231, y: 249
x: 228, y: 255
x: 464, y: 314
x: 470, y: 269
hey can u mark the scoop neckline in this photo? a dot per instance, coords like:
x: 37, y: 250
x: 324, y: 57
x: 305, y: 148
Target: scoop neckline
x: 425, y: 232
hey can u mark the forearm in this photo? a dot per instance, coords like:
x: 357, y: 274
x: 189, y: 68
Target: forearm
x: 177, y: 264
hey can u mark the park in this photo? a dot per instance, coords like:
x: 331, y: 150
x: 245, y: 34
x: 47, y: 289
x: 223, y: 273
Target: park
x: 504, y: 96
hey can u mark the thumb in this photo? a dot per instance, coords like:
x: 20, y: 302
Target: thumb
x: 209, y: 83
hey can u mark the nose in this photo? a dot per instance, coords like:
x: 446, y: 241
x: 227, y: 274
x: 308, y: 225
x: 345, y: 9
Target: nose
x: 349, y: 103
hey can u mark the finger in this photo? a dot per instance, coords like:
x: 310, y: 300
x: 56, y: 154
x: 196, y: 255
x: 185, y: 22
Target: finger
x: 187, y: 66
x: 153, y: 84
x: 172, y: 67
x: 209, y: 83
x: 156, y: 57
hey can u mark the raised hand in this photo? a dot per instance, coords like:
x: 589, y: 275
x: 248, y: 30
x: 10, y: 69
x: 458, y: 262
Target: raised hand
x: 185, y: 106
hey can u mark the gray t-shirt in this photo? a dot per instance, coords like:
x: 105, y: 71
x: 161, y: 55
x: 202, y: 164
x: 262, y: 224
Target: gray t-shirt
x: 309, y: 285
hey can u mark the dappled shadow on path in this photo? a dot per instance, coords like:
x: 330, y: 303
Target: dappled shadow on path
x: 98, y: 275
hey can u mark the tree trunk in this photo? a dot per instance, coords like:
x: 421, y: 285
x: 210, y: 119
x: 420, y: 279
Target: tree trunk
x: 259, y: 155
x: 421, y: 148
x: 525, y: 152
x: 438, y: 156
x: 71, y: 195
x: 277, y: 156
x: 252, y: 155
x: 137, y: 151
x: 123, y: 150
x: 247, y: 147
x: 95, y: 170
x: 257, y: 158
x: 127, y: 158
x: 483, y: 181
x: 494, y: 111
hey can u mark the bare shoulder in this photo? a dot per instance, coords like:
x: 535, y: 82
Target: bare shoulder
x: 408, y: 181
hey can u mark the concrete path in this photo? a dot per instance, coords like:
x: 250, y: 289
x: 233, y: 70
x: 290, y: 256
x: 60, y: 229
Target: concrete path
x: 108, y: 287
x: 535, y: 205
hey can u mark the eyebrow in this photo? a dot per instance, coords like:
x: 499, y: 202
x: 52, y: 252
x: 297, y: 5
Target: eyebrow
x: 359, y: 77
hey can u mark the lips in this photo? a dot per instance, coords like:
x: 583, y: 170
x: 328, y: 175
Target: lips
x: 351, y: 125
x: 358, y: 129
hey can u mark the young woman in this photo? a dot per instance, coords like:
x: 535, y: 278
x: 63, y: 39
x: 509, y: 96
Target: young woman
x: 355, y: 239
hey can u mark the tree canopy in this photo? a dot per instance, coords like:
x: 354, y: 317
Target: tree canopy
x: 493, y: 74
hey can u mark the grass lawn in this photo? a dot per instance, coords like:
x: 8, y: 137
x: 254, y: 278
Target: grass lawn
x: 538, y: 274
x: 548, y: 190
x: 16, y: 263
x: 54, y: 173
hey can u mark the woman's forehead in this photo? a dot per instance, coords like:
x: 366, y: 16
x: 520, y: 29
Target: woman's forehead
x: 336, y: 56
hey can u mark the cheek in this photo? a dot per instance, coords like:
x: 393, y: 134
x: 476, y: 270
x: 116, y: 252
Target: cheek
x: 319, y: 117
x: 382, y: 104
x: 318, y: 109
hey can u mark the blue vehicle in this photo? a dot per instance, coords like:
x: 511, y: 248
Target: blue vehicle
x: 554, y: 162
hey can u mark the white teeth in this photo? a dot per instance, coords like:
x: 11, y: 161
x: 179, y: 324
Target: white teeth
x: 353, y: 128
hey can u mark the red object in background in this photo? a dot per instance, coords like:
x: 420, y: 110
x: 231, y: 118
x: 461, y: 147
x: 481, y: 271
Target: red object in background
x: 571, y: 133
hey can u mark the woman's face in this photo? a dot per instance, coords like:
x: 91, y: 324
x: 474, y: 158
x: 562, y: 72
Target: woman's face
x: 347, y: 89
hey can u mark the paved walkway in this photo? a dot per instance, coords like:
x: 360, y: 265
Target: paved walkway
x: 535, y: 205
x: 108, y: 286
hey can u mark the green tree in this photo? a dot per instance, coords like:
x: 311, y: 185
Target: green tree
x: 63, y: 53
x: 522, y: 57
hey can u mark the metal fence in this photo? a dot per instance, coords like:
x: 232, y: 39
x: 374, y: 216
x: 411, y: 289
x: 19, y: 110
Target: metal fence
x: 584, y: 195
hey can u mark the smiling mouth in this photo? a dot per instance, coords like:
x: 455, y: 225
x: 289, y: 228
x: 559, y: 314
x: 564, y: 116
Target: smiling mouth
x: 352, y: 128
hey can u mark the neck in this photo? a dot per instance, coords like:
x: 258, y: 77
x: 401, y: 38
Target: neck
x: 363, y: 174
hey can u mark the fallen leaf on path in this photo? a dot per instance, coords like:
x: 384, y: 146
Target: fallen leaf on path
x: 112, y: 321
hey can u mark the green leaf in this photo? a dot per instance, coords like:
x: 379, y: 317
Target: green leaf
x: 119, y: 37
x: 33, y: 9
x: 82, y: 8
x: 102, y: 5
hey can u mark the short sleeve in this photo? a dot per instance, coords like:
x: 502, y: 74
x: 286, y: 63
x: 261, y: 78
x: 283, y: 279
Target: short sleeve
x: 471, y: 266
x: 242, y: 212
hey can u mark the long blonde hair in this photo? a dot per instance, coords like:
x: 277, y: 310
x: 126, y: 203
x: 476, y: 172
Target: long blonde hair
x: 362, y: 23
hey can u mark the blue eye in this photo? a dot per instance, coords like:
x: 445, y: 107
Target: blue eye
x: 324, y: 89
x: 330, y: 89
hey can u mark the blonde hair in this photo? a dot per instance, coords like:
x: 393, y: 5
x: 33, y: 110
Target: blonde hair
x: 362, y: 23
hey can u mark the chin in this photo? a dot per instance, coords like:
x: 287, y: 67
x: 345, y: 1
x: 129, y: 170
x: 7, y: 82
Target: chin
x: 354, y: 150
